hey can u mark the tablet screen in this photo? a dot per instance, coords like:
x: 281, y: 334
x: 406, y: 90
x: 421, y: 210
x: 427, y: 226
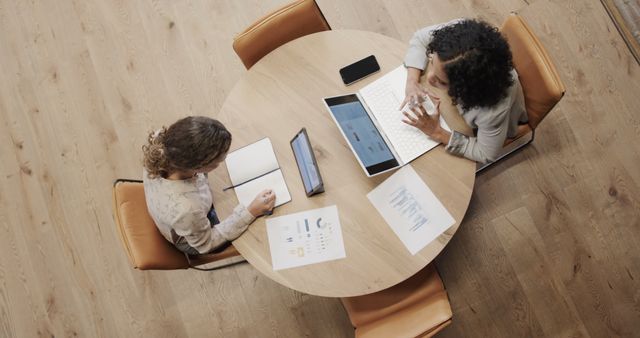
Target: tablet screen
x: 362, y: 134
x: 306, y: 162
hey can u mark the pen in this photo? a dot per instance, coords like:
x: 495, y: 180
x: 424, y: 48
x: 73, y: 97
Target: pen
x: 241, y: 183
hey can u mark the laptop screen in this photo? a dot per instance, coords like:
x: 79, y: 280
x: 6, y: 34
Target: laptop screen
x: 361, y: 133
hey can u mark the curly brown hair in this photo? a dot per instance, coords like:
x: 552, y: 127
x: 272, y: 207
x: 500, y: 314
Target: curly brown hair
x: 190, y: 143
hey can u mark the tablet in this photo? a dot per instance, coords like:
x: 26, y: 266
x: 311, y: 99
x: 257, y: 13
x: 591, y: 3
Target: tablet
x: 307, y: 165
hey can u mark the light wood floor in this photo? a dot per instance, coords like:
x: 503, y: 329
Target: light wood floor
x: 549, y: 246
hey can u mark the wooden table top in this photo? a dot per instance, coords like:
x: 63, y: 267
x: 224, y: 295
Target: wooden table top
x: 278, y: 96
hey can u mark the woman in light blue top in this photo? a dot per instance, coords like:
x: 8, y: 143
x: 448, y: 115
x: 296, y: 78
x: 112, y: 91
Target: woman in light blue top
x: 471, y: 61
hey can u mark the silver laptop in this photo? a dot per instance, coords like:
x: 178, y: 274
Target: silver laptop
x: 372, y: 124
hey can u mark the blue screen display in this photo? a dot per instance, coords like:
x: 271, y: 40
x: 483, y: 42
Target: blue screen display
x: 304, y: 158
x: 361, y: 133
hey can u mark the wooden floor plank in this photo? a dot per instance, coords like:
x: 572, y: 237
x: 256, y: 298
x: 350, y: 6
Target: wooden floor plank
x: 549, y: 246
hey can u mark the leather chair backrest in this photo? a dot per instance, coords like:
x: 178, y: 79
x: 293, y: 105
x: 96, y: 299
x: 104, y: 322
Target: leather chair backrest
x: 417, y: 307
x: 539, y: 78
x: 145, y: 245
x: 272, y: 31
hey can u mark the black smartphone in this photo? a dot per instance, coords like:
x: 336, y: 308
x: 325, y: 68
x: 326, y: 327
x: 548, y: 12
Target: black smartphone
x: 359, y: 70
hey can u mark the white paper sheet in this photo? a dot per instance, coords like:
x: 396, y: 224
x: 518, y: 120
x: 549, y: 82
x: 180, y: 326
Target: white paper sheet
x: 304, y: 238
x: 411, y: 209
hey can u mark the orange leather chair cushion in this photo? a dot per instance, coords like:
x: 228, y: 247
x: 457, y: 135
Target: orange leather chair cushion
x: 523, y: 129
x: 540, y: 81
x: 230, y: 251
x: 145, y: 245
x: 272, y: 31
x: 422, y: 319
x: 412, y: 308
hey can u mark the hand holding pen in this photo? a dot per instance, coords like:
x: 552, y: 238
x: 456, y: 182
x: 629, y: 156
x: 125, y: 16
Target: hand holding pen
x: 263, y: 203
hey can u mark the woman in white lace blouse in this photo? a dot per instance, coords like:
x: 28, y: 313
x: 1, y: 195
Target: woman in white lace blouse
x: 176, y: 162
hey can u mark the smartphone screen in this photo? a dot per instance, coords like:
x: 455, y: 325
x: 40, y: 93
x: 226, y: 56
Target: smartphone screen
x: 359, y: 70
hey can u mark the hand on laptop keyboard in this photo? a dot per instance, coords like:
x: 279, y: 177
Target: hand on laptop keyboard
x: 426, y: 103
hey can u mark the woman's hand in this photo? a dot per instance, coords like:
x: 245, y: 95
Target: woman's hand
x: 413, y: 91
x: 263, y: 203
x: 429, y: 124
x: 414, y: 94
x: 434, y: 98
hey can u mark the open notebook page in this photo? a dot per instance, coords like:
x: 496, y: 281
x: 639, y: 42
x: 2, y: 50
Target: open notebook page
x: 275, y: 181
x: 246, y: 167
x: 251, y: 161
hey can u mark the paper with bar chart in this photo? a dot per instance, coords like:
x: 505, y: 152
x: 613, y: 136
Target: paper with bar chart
x: 411, y: 209
x: 304, y: 238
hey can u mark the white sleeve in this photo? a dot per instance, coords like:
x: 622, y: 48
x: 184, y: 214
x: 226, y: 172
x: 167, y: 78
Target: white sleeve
x: 196, y: 228
x: 235, y: 224
x: 487, y: 145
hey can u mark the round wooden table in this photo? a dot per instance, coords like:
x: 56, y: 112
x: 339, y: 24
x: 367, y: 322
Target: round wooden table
x: 282, y: 93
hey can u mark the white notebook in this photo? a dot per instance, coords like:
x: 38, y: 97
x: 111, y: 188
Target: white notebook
x: 254, y: 168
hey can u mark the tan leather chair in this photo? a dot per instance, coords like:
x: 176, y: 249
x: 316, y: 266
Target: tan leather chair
x: 146, y: 248
x: 539, y: 78
x: 417, y: 307
x: 288, y: 23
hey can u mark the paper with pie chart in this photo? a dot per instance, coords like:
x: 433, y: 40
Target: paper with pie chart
x: 303, y: 238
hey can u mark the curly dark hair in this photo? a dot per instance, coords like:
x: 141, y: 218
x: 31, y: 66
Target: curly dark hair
x: 477, y: 62
x: 190, y: 143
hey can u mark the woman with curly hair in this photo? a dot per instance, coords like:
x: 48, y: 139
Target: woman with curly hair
x: 176, y: 162
x: 469, y: 60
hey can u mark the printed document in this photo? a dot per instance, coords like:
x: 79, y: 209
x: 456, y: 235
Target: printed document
x: 411, y: 209
x: 303, y: 238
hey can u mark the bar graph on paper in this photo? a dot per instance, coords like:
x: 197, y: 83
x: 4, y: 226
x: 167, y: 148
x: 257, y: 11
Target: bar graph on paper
x: 405, y: 203
x: 306, y: 237
x: 411, y: 209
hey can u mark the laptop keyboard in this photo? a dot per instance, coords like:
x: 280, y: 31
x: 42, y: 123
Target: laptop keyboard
x: 383, y: 101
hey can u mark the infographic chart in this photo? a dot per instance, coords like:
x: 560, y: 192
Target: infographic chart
x: 304, y: 238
